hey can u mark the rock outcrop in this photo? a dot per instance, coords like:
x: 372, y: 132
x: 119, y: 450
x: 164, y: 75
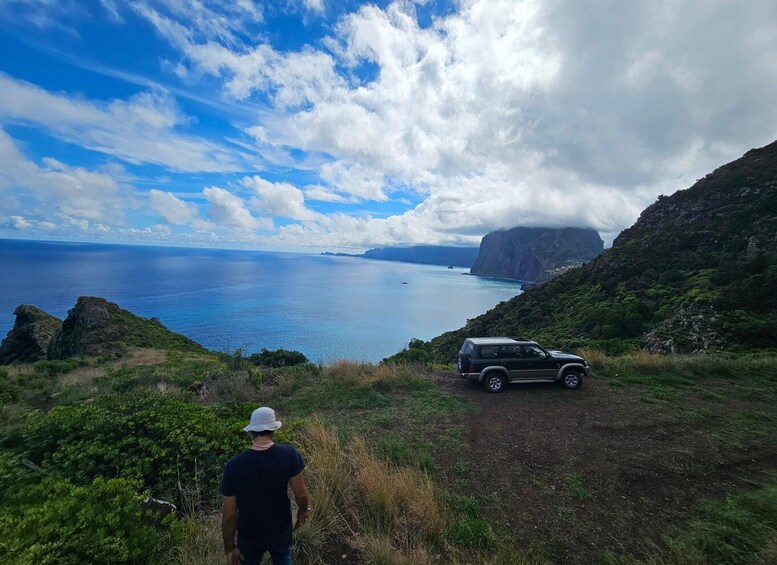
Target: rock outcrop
x: 95, y: 326
x: 29, y: 339
x: 535, y: 254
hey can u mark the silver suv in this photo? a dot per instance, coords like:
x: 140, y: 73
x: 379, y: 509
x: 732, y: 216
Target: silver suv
x: 496, y: 361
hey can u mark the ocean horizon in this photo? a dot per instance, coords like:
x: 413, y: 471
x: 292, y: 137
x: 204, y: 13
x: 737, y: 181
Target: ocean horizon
x: 327, y: 307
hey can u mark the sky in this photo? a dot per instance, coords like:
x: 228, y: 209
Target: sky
x: 311, y: 125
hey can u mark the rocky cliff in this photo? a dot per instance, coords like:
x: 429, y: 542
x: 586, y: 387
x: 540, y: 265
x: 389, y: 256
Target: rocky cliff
x: 535, y: 254
x: 29, y: 338
x: 697, y: 272
x: 95, y: 326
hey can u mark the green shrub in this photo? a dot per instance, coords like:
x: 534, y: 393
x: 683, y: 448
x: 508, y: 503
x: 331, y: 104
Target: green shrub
x: 9, y: 391
x: 166, y: 442
x: 277, y: 358
x: 54, y: 368
x: 55, y: 521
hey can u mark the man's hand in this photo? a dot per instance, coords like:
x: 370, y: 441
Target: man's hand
x: 228, y: 527
x: 301, y: 498
x: 234, y: 557
x: 303, y: 517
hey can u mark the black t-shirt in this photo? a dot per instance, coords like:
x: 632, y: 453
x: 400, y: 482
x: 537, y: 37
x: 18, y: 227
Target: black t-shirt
x: 259, y: 480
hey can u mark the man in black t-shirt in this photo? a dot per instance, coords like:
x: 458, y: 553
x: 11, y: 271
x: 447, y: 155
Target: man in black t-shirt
x: 255, y: 500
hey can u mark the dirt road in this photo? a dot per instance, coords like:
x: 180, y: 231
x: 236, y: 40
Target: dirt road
x: 574, y: 475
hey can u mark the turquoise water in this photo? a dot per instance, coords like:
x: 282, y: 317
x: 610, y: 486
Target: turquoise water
x: 327, y: 307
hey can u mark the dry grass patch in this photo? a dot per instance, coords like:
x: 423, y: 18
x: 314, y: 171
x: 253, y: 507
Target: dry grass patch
x: 596, y: 358
x: 652, y: 363
x: 141, y: 356
x: 82, y: 376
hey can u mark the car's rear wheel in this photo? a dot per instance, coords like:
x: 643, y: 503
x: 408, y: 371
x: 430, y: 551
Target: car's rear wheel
x: 572, y: 379
x: 494, y: 382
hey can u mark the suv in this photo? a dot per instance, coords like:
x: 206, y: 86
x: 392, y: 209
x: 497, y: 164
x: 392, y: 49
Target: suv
x: 496, y: 361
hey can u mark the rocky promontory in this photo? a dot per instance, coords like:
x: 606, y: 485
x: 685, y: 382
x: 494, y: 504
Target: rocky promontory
x: 28, y: 340
x: 535, y: 254
x: 93, y: 327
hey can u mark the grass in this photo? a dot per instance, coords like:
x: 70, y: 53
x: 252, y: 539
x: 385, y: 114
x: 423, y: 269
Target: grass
x: 738, y: 530
x: 576, y: 485
x: 370, y: 435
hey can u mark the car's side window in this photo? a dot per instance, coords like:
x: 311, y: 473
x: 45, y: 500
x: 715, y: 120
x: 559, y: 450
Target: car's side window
x: 510, y: 351
x: 489, y: 351
x: 534, y: 352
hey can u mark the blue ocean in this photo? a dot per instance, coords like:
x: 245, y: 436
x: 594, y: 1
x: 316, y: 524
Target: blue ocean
x: 327, y: 307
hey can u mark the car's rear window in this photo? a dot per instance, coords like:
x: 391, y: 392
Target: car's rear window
x: 467, y: 348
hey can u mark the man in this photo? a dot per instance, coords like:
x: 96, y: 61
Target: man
x: 255, y: 500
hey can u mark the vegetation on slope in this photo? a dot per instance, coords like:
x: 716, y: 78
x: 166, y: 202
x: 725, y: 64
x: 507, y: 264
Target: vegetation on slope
x: 696, y: 272
x: 390, y: 461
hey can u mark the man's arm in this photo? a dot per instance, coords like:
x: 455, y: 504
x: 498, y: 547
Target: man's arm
x: 228, y: 528
x: 301, y: 498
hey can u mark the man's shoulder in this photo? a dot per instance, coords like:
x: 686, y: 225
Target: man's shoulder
x: 286, y: 448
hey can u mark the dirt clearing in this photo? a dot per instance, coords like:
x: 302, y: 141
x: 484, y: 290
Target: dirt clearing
x: 573, y: 476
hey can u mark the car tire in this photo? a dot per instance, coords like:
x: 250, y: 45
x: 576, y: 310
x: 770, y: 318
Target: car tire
x: 572, y: 379
x: 494, y: 382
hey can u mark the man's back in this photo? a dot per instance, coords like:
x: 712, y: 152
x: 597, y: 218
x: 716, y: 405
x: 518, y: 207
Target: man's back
x: 259, y: 480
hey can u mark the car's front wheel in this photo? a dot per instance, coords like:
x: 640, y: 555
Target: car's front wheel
x: 572, y: 379
x: 494, y: 382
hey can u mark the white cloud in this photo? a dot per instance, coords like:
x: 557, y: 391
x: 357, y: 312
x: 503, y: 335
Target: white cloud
x: 317, y: 6
x: 228, y: 210
x: 20, y: 223
x: 354, y: 180
x: 279, y: 199
x: 323, y: 194
x: 515, y: 112
x: 174, y: 210
x: 59, y: 189
x: 138, y: 130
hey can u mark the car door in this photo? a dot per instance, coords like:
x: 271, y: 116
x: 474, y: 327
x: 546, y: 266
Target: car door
x: 539, y: 365
x: 511, y: 357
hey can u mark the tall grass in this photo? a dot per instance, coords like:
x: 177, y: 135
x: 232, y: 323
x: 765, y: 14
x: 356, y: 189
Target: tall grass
x: 381, y: 512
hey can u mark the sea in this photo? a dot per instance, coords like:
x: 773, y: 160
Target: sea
x: 327, y: 307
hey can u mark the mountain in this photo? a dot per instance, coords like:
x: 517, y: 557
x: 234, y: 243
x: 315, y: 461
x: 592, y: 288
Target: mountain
x: 425, y: 254
x: 535, y: 254
x: 95, y: 326
x: 29, y: 338
x: 697, y: 272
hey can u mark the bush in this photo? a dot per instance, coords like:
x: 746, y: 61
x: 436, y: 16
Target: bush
x: 9, y: 391
x: 55, y: 521
x: 166, y: 442
x: 277, y: 358
x: 54, y: 368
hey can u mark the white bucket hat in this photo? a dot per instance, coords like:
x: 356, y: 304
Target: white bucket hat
x: 263, y: 420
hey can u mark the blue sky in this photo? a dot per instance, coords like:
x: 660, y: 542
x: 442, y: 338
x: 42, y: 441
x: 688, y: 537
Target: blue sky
x: 313, y: 124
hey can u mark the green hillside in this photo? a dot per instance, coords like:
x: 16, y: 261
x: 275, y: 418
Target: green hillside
x: 696, y: 272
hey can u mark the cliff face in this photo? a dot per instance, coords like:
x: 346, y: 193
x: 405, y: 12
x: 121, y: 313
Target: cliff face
x: 95, y: 326
x: 426, y: 254
x: 29, y: 338
x: 697, y: 272
x: 535, y: 254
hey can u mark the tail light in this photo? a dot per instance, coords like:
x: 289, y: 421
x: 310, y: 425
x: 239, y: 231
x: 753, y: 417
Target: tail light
x: 471, y: 368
